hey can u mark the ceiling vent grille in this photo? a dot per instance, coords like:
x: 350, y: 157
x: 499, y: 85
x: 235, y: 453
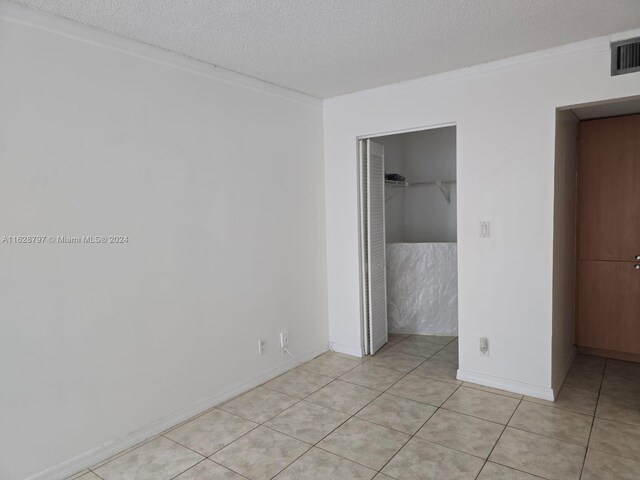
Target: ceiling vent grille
x: 625, y: 56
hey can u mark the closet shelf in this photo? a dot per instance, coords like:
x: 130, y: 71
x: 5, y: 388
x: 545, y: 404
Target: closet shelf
x: 446, y: 193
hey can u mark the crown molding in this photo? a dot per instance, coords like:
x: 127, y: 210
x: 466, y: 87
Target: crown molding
x: 593, y: 45
x: 34, y: 18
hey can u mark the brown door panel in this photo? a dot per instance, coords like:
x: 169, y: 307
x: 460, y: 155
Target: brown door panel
x: 609, y: 189
x: 609, y: 306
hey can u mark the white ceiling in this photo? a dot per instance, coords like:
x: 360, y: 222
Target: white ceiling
x: 330, y: 47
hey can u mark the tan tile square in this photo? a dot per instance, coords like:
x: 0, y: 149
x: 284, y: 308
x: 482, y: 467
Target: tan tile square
x: 86, y: 475
x: 370, y: 376
x: 422, y: 460
x: 497, y: 391
x: 157, y: 460
x: 438, y: 370
x: 572, y: 399
x: 617, y: 438
x: 259, y: 404
x: 298, y: 383
x: 493, y: 471
x: 621, y: 386
x: 331, y: 364
x: 317, y: 464
x: 437, y: 339
x: 208, y: 470
x: 398, y: 413
x: 624, y: 370
x: 477, y: 403
x: 364, y: 443
x: 425, y: 390
x: 619, y: 409
x: 447, y: 354
x: 210, y: 432
x: 420, y: 349
x: 307, y: 422
x: 260, y: 454
x: 394, y: 338
x: 602, y: 466
x: 461, y: 432
x: 583, y: 378
x: 343, y: 396
x: 586, y: 364
x: 396, y: 361
x: 552, y: 422
x: 538, y: 455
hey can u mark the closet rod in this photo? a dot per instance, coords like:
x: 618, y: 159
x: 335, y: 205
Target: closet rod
x: 395, y: 183
x: 438, y: 183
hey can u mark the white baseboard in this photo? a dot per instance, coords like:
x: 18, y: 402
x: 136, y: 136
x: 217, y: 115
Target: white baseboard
x: 537, y: 391
x: 557, y: 382
x: 346, y: 349
x: 109, y: 449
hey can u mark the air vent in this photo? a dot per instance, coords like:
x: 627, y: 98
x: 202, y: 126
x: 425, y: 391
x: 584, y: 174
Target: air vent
x: 625, y: 56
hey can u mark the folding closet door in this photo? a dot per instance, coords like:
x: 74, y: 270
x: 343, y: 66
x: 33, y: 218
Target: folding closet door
x: 608, y: 270
x: 364, y: 243
x: 375, y: 247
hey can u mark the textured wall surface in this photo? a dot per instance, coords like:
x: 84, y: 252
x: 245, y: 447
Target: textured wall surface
x: 422, y: 288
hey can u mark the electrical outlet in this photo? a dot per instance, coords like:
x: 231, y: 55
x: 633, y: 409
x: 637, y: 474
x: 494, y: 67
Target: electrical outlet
x: 284, y: 339
x: 262, y: 346
x: 484, y: 346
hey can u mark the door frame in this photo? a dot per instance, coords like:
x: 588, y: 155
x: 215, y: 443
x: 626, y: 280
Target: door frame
x: 372, y: 136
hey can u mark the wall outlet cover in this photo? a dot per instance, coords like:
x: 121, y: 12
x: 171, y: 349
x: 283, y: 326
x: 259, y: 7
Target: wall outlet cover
x: 284, y: 339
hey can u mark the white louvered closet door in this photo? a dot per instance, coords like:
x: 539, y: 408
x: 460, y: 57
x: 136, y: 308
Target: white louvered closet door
x: 364, y: 243
x: 376, y: 245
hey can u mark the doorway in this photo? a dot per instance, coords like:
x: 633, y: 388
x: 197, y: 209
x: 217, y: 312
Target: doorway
x: 608, y: 265
x: 596, y: 272
x: 408, y: 235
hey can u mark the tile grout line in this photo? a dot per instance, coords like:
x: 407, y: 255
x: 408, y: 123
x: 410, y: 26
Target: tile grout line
x: 299, y: 400
x: 421, y: 426
x: 351, y: 416
x: 593, y: 420
x: 504, y: 429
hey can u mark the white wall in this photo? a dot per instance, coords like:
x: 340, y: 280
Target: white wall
x: 219, y: 186
x: 394, y: 196
x: 505, y: 117
x: 564, y: 244
x: 430, y: 155
x: 420, y: 214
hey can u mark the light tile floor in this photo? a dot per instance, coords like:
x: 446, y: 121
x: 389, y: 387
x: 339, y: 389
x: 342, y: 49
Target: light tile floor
x: 402, y: 415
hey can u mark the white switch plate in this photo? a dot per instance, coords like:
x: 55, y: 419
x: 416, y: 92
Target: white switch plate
x: 485, y: 229
x: 262, y: 346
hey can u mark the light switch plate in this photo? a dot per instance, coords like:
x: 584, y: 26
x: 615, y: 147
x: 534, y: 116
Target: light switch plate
x: 485, y: 229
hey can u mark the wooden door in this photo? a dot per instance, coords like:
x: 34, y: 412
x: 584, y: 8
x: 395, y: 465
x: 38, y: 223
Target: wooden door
x: 608, y: 271
x: 609, y: 189
x: 609, y: 306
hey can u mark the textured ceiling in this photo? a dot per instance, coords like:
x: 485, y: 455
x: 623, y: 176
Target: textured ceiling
x: 330, y: 47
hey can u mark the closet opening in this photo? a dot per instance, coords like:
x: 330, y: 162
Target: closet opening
x: 408, y: 243
x: 596, y: 244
